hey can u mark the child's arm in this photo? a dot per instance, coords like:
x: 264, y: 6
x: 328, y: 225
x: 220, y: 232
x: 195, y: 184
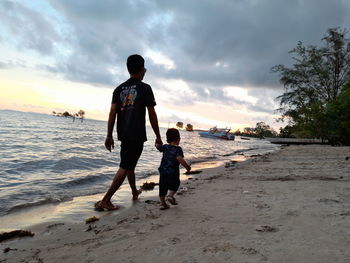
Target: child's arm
x: 159, y: 147
x: 183, y: 163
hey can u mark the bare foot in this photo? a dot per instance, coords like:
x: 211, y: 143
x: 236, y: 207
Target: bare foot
x: 136, y: 194
x: 171, y: 200
x: 164, y: 206
x: 101, y: 206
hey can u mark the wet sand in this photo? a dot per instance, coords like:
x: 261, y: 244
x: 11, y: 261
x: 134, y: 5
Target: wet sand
x: 289, y: 206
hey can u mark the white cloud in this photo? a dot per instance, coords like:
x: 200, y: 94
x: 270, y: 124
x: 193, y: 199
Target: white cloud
x: 160, y: 59
x: 239, y: 94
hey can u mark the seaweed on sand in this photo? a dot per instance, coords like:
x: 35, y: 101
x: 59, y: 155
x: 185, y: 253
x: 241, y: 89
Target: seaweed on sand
x: 148, y: 186
x: 91, y: 219
x: 193, y: 172
x: 16, y: 233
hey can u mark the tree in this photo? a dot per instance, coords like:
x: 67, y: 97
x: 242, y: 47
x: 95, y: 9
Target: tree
x: 287, y: 132
x: 66, y: 114
x: 263, y: 130
x: 315, y: 80
x: 189, y: 127
x: 237, y: 132
x: 81, y: 114
x: 179, y: 125
x: 338, y: 118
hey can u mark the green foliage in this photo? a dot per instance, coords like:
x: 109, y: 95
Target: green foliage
x: 313, y: 86
x: 287, y: 132
x: 263, y: 130
x: 179, y: 124
x: 237, y: 132
x: 338, y: 118
x: 189, y: 127
x: 66, y: 114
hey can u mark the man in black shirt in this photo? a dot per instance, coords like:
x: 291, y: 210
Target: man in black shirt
x: 129, y: 103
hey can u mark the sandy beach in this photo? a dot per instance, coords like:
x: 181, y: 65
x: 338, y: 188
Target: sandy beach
x: 289, y: 206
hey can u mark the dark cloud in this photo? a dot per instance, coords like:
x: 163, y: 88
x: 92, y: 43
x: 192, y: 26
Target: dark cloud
x: 212, y: 43
x: 27, y: 28
x: 12, y: 64
x: 3, y: 65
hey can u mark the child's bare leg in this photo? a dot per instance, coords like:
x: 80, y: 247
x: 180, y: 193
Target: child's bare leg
x: 163, y: 204
x: 172, y: 193
x: 170, y: 198
x: 162, y: 200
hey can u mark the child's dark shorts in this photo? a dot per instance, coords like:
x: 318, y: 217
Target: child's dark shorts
x: 168, y: 182
x: 130, y: 152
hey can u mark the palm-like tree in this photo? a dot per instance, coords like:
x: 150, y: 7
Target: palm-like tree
x: 81, y: 114
x: 189, y: 127
x: 179, y: 124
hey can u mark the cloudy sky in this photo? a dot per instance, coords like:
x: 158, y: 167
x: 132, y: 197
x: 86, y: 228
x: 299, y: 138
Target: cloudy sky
x: 208, y: 61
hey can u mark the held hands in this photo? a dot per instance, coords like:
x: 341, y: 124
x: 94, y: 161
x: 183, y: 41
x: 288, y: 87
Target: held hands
x: 158, y: 143
x: 109, y: 143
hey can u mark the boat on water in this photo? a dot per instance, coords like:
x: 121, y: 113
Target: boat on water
x: 218, y: 133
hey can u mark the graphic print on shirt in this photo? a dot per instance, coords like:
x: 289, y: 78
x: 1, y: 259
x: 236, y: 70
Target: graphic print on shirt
x: 128, y: 96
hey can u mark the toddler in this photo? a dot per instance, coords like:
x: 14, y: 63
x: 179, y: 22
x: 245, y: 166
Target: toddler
x: 169, y: 168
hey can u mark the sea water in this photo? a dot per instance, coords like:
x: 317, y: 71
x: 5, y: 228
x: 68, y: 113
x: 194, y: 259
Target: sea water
x: 47, y: 159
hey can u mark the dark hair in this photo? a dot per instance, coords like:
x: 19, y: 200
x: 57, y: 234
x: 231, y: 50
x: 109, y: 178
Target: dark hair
x: 172, y: 135
x: 134, y: 64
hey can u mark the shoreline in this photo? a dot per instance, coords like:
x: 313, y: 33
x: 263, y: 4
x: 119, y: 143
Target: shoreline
x: 292, y: 205
x: 91, y: 181
x: 77, y: 209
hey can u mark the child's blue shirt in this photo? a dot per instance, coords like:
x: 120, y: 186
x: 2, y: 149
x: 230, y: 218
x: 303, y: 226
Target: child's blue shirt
x: 169, y: 164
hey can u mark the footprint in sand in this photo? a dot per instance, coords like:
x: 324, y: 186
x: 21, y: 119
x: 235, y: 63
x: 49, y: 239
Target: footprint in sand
x: 292, y: 213
x: 249, y: 250
x: 328, y: 201
x: 267, y: 229
x: 173, y: 240
x: 190, y: 260
x: 219, y: 247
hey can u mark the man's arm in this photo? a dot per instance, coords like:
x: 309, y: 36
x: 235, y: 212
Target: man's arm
x: 109, y: 142
x: 153, y: 119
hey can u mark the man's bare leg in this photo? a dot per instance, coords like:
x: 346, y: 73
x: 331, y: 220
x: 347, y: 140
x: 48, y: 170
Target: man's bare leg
x: 131, y: 179
x: 116, y: 183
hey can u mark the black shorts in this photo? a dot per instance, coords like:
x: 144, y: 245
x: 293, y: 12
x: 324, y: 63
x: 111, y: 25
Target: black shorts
x: 167, y: 182
x: 130, y: 152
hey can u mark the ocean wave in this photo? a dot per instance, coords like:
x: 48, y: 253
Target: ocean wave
x: 46, y: 201
x: 55, y: 159
x: 201, y: 159
x: 239, y: 152
x: 145, y: 174
x: 80, y: 163
x: 82, y: 181
x: 59, y: 166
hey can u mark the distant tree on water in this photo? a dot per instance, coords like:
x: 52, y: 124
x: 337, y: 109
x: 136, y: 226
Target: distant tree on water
x: 264, y: 130
x: 237, y: 132
x: 80, y: 114
x: 66, y: 114
x: 314, y: 86
x: 261, y: 130
x: 189, y: 127
x: 179, y: 125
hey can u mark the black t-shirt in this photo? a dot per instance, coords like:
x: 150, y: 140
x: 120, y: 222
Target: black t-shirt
x: 132, y: 97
